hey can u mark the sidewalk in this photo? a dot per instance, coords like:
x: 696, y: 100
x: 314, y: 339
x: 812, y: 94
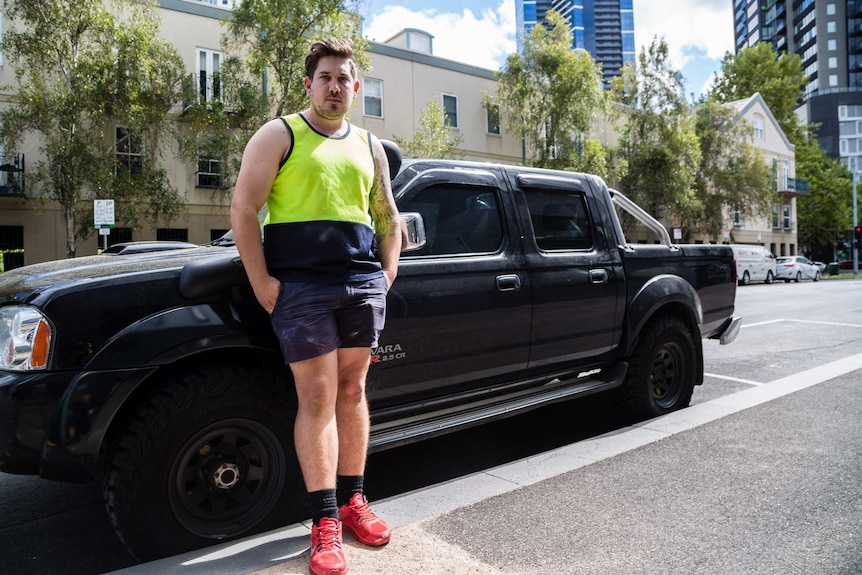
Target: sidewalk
x: 764, y: 481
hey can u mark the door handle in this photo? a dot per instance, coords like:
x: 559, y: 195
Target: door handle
x: 599, y: 276
x: 509, y: 282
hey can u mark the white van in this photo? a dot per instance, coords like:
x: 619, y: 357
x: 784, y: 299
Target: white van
x: 753, y: 263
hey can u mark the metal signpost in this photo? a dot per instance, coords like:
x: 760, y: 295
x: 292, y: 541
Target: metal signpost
x: 103, y: 218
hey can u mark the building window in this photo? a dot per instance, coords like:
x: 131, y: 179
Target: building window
x: 117, y: 236
x: 209, y: 172
x: 833, y: 80
x: 492, y: 119
x: 830, y: 27
x: 786, y: 216
x: 833, y: 62
x: 450, y: 107
x: 737, y: 217
x: 216, y: 234
x: 759, y: 131
x: 11, y: 247
x: 130, y: 152
x: 209, y: 74
x: 776, y: 218
x: 832, y: 44
x: 172, y: 235
x: 372, y: 100
x: 830, y: 9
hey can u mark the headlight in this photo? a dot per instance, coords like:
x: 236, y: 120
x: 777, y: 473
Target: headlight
x: 25, y: 338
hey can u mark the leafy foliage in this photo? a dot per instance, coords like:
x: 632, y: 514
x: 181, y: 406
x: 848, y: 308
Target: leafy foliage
x: 731, y: 173
x: 434, y: 139
x: 81, y: 70
x: 778, y: 77
x: 825, y: 213
x: 550, y: 95
x: 658, y: 151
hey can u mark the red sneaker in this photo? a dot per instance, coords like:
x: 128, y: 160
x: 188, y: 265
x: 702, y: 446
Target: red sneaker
x: 327, y: 558
x: 359, y: 518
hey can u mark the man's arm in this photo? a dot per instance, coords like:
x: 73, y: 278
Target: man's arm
x: 387, y: 222
x: 260, y: 163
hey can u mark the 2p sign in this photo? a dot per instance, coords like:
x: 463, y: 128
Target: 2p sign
x: 103, y: 214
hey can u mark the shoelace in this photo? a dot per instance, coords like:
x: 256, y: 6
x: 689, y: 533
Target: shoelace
x: 327, y: 538
x: 362, y: 512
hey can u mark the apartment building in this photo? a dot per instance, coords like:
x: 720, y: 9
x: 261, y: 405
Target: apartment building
x: 404, y: 76
x: 827, y: 35
x: 604, y: 28
x: 778, y: 231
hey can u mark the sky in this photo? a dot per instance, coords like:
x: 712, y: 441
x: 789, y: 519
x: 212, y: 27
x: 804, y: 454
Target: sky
x: 482, y: 32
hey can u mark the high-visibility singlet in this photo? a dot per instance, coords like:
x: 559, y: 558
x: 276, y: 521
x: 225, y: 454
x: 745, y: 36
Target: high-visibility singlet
x: 319, y: 228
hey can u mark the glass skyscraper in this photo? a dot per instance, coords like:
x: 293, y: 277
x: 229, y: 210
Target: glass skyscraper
x: 827, y: 35
x: 604, y: 28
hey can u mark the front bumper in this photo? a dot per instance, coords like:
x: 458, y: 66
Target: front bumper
x: 28, y: 404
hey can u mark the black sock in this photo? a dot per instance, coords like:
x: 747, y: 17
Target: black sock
x: 348, y: 485
x: 322, y: 504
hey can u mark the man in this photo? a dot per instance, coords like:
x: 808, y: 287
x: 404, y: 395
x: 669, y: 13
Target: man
x: 319, y: 279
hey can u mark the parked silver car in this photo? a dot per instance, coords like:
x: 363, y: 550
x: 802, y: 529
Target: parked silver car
x: 795, y: 268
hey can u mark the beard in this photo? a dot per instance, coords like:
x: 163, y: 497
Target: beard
x: 330, y: 110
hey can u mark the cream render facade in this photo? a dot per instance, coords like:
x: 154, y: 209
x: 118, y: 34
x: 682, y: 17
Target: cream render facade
x: 403, y: 78
x: 779, y: 231
x: 406, y: 78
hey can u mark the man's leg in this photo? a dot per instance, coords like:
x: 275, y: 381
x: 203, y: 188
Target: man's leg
x: 353, y: 428
x: 316, y: 440
x: 315, y: 431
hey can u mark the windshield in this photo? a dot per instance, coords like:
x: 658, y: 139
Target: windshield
x: 782, y: 260
x: 228, y: 240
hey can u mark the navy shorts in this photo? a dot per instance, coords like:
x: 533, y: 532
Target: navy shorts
x: 312, y: 319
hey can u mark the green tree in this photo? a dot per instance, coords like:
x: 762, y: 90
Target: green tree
x: 778, y: 77
x: 273, y: 36
x: 732, y: 174
x: 264, y: 44
x: 550, y: 95
x: 84, y: 69
x: 434, y: 138
x: 658, y: 154
x: 825, y: 213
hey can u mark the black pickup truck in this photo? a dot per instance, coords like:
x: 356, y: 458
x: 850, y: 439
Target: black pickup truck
x: 152, y: 368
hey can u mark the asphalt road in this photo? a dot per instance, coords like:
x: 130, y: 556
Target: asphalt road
x: 55, y: 528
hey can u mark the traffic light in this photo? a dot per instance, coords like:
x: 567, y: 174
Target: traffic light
x: 857, y: 232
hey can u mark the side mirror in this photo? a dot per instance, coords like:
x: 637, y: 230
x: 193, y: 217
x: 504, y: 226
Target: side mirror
x: 412, y: 232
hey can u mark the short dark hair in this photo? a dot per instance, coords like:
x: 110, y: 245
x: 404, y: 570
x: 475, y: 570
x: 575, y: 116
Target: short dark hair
x: 329, y: 47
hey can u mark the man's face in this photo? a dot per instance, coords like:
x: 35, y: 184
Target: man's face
x: 332, y: 88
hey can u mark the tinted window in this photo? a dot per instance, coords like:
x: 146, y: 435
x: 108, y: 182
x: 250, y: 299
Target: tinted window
x: 559, y: 220
x: 457, y: 220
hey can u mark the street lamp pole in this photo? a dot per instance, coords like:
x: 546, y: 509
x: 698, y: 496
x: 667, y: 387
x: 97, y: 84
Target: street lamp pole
x: 855, y: 247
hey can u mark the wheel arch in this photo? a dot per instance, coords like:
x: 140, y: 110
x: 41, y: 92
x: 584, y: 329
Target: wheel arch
x: 665, y: 295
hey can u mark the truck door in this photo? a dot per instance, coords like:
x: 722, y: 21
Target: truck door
x: 458, y: 315
x: 577, y: 282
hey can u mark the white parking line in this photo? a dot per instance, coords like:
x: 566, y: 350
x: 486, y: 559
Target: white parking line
x: 835, y: 323
x: 728, y: 378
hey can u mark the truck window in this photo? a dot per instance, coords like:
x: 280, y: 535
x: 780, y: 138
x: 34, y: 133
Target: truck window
x: 559, y: 220
x: 458, y: 220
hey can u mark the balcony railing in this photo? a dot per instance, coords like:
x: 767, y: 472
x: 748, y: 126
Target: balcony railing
x: 793, y: 185
x: 11, y: 174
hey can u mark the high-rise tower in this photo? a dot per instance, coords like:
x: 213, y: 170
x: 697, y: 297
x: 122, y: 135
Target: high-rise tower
x: 604, y: 28
x: 827, y: 35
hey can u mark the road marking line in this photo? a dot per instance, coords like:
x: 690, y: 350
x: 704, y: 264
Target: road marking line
x: 802, y: 321
x: 728, y: 378
x: 762, y: 323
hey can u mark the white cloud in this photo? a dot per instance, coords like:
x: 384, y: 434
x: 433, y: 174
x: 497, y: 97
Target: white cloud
x: 691, y: 29
x: 481, y: 40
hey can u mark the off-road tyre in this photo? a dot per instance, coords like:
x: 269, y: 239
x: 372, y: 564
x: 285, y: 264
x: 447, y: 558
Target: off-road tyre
x: 662, y: 370
x: 207, y: 458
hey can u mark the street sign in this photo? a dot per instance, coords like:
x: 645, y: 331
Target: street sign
x: 103, y: 214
